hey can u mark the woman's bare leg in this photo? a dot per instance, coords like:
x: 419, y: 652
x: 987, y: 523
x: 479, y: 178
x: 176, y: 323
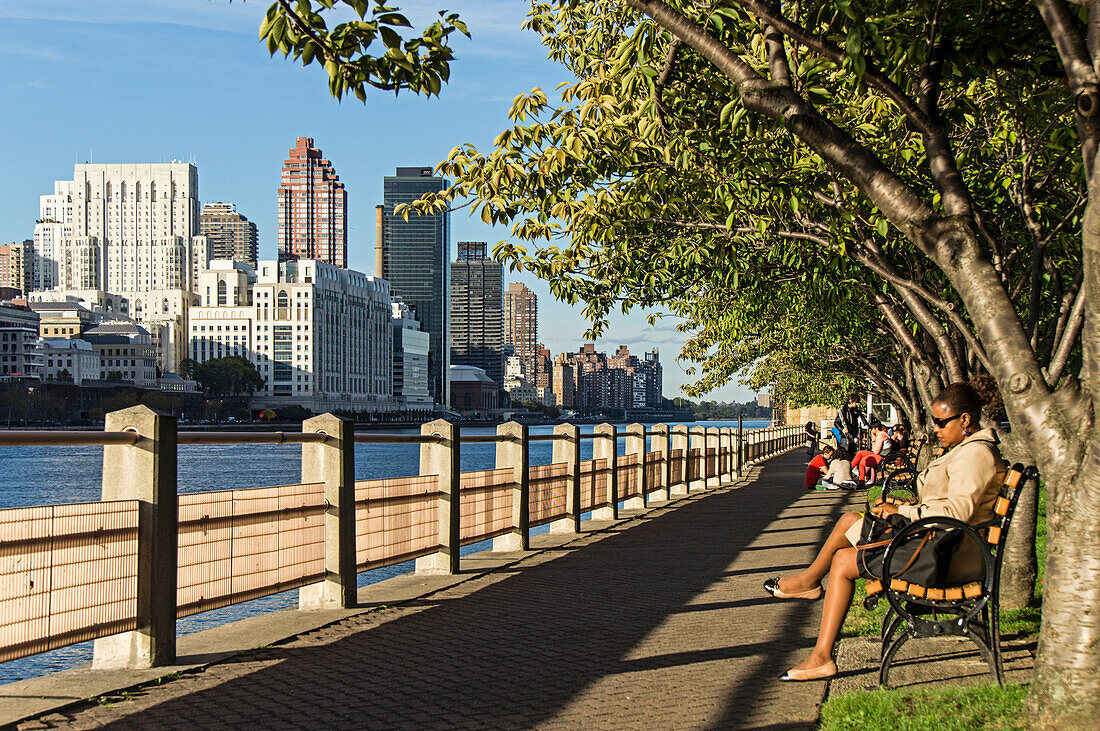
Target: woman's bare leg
x: 838, y: 599
x: 812, y: 575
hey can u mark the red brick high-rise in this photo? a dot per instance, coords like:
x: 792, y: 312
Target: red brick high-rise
x: 312, y: 208
x: 521, y: 316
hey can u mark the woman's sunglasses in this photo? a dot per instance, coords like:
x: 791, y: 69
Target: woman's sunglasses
x: 941, y: 423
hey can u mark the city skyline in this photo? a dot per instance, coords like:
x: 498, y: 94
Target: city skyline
x: 141, y: 63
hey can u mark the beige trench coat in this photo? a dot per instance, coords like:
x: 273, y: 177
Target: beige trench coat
x: 962, y: 484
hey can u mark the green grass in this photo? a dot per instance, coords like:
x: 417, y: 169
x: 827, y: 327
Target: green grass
x: 939, y: 709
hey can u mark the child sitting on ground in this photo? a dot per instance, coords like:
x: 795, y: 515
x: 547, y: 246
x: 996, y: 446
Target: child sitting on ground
x: 818, y: 466
x: 840, y: 473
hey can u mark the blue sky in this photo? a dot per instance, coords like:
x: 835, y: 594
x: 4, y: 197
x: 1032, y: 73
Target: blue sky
x: 155, y: 80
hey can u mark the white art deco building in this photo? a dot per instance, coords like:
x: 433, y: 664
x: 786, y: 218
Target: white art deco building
x: 320, y: 335
x: 131, y: 230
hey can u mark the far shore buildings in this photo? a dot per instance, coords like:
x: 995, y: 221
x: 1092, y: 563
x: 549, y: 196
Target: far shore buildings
x: 477, y: 323
x: 410, y: 359
x: 231, y: 235
x: 472, y: 391
x: 521, y: 328
x: 16, y: 261
x: 312, y: 208
x: 126, y: 352
x: 69, y: 359
x: 19, y: 356
x: 595, y: 381
x: 414, y: 257
x: 320, y: 335
x: 124, y: 236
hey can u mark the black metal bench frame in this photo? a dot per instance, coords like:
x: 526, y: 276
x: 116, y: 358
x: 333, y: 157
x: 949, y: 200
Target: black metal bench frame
x: 973, y: 610
x: 903, y: 477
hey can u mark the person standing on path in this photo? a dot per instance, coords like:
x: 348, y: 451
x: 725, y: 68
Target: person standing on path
x: 812, y: 435
x: 848, y: 425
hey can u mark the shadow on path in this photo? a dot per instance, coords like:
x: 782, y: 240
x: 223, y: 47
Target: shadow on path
x: 659, y: 626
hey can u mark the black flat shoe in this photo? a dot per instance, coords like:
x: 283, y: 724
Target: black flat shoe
x: 772, y: 587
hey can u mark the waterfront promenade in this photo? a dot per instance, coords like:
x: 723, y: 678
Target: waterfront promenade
x: 657, y: 620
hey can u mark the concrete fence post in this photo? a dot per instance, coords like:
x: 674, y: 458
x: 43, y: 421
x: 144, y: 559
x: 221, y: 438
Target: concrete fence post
x: 714, y: 468
x: 604, y: 446
x: 333, y: 463
x: 699, y: 441
x: 146, y: 472
x: 660, y: 442
x: 514, y: 453
x: 568, y: 450
x: 441, y: 459
x: 678, y: 482
x: 635, y: 444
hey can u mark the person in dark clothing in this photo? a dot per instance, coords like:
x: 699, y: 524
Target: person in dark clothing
x: 812, y: 435
x: 850, y: 422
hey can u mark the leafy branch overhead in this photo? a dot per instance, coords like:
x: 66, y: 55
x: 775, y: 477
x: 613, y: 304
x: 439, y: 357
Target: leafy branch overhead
x: 371, y: 48
x: 650, y: 183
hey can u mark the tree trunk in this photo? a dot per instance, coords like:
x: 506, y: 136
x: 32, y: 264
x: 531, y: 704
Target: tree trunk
x: 1065, y: 692
x: 1020, y: 569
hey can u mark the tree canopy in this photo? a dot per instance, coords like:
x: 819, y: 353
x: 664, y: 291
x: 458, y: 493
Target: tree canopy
x: 903, y: 184
x: 229, y: 376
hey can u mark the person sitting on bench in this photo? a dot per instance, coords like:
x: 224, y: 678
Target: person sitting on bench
x: 882, y: 450
x: 964, y: 484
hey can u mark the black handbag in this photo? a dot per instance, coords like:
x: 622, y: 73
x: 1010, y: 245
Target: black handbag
x: 924, y: 558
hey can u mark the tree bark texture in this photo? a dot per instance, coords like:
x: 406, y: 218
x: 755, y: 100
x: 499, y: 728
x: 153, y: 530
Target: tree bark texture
x: 1020, y: 569
x: 1065, y: 691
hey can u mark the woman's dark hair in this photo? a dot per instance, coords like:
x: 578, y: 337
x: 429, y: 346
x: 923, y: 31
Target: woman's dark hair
x: 962, y: 398
x: 854, y: 397
x: 992, y: 404
x: 841, y: 453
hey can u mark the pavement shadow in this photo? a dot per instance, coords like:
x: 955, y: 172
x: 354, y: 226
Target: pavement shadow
x: 515, y: 653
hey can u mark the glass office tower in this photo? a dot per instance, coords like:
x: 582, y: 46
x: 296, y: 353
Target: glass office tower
x: 477, y: 323
x: 414, y: 256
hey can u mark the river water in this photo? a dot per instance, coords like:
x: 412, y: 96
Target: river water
x: 52, y: 475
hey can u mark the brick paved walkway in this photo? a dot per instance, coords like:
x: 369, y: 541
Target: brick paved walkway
x: 658, y: 622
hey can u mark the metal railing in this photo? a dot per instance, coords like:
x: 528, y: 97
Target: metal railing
x: 146, y: 555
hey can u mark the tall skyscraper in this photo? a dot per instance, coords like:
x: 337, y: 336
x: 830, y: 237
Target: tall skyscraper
x: 121, y: 228
x: 313, y: 205
x: 231, y: 235
x: 477, y: 325
x: 521, y: 328
x: 414, y: 256
x: 131, y: 230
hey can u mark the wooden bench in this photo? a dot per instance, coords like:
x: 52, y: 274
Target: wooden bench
x: 971, y: 610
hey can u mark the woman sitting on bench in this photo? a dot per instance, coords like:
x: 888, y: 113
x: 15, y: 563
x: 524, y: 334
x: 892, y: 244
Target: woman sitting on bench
x: 964, y: 483
x: 882, y: 450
